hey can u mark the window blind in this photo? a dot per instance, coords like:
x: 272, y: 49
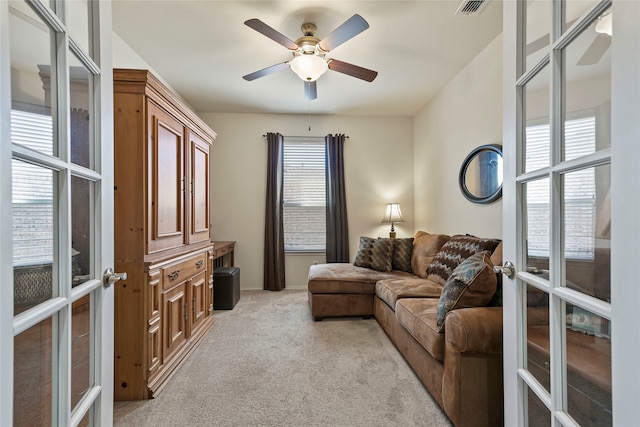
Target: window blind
x: 579, y: 191
x: 304, y: 195
x: 32, y: 191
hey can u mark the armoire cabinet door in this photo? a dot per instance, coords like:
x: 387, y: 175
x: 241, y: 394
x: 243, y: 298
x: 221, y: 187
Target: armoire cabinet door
x: 174, y: 318
x: 166, y: 181
x: 198, y: 286
x: 198, y: 204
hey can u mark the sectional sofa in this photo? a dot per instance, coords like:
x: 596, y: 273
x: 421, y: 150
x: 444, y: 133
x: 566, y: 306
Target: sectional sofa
x: 438, y: 299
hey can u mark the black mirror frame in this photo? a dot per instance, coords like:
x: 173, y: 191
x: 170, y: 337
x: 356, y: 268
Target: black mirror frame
x: 463, y: 171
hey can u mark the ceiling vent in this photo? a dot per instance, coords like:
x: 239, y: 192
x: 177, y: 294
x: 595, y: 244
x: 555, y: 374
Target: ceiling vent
x: 471, y: 7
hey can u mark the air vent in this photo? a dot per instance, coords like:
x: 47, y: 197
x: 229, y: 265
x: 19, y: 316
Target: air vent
x: 471, y: 7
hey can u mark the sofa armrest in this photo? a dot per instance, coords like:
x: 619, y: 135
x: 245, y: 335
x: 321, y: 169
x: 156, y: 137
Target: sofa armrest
x: 472, y: 386
x: 477, y: 329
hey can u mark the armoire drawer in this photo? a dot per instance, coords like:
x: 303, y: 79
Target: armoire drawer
x: 177, y: 272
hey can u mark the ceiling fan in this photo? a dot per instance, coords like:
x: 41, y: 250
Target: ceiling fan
x: 602, y: 27
x: 309, y: 61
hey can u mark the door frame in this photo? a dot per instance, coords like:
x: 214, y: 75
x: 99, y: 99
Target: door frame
x: 625, y: 230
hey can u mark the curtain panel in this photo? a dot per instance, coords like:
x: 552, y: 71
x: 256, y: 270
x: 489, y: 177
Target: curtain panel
x: 337, y: 242
x: 273, y: 224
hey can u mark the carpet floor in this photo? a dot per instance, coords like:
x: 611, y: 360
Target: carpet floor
x: 267, y: 363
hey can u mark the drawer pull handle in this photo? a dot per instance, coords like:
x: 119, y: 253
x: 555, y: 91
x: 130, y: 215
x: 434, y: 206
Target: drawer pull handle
x: 174, y: 275
x: 199, y: 263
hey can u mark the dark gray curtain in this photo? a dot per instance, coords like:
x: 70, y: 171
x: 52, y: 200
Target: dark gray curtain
x: 337, y: 226
x: 273, y: 223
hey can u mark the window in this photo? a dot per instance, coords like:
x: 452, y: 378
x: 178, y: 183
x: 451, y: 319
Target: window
x: 580, y: 139
x: 32, y: 191
x: 304, y: 194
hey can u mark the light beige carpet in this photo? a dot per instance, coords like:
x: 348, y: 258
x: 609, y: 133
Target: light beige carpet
x: 267, y: 363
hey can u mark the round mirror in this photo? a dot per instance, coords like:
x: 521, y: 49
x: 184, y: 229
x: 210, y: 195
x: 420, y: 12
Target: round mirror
x: 481, y: 174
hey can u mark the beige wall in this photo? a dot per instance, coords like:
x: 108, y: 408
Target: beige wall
x: 379, y: 169
x: 465, y: 114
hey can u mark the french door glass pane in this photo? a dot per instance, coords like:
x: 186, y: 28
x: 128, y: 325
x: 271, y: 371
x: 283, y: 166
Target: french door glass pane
x: 574, y: 9
x: 32, y: 376
x: 538, y: 363
x: 587, y: 231
x: 588, y: 343
x: 81, y: 340
x: 81, y: 114
x: 537, y: 133
x: 587, y: 61
x: 85, y: 420
x: 78, y: 22
x: 538, y: 30
x: 537, y: 213
x: 81, y: 230
x: 537, y: 413
x: 33, y: 234
x: 31, y: 87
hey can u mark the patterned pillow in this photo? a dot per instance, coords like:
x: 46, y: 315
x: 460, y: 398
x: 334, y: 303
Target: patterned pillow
x: 471, y: 284
x: 374, y: 253
x: 457, y: 249
x: 425, y: 248
x: 363, y: 257
x: 402, y: 250
x: 382, y: 255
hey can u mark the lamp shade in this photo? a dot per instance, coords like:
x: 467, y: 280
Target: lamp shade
x: 393, y: 214
x: 308, y: 67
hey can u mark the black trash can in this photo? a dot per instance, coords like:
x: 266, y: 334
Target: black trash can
x: 226, y: 287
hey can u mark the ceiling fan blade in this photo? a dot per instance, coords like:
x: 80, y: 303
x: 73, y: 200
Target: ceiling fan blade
x: 266, y: 71
x: 274, y: 35
x: 349, y: 29
x: 596, y: 50
x: 352, y: 70
x: 310, y: 90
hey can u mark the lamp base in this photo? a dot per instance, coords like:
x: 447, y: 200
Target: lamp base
x: 392, y: 234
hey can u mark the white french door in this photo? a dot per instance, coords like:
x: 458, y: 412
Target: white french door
x: 56, y: 213
x: 571, y: 212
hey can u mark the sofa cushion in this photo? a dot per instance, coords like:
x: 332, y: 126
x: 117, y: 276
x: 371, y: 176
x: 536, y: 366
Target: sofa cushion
x: 374, y: 253
x: 345, y: 278
x: 472, y: 284
x: 390, y: 290
x: 425, y: 248
x: 402, y: 251
x: 453, y: 252
x: 418, y: 317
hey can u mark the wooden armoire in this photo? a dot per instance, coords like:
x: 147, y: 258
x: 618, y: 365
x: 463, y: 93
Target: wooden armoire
x: 161, y: 190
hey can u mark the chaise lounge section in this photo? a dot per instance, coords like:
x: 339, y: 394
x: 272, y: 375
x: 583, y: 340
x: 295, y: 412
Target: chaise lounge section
x: 435, y: 310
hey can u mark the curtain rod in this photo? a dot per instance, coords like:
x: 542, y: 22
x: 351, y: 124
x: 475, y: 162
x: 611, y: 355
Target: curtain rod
x: 306, y: 136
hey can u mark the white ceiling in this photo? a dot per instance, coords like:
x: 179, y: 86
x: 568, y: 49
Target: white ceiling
x: 202, y: 49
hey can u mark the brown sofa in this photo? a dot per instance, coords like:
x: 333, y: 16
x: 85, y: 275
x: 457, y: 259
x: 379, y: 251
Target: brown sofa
x: 460, y: 364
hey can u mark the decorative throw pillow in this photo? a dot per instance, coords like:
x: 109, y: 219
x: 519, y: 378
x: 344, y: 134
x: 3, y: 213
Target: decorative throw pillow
x: 402, y: 251
x: 425, y: 248
x: 374, y: 253
x: 363, y: 257
x: 457, y: 249
x: 382, y: 255
x: 471, y: 284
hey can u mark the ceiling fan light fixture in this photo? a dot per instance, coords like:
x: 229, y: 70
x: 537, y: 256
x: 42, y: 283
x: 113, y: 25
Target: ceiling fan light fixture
x: 308, y: 67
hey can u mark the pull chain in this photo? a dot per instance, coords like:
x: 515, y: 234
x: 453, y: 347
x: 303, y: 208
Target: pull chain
x: 309, y: 115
